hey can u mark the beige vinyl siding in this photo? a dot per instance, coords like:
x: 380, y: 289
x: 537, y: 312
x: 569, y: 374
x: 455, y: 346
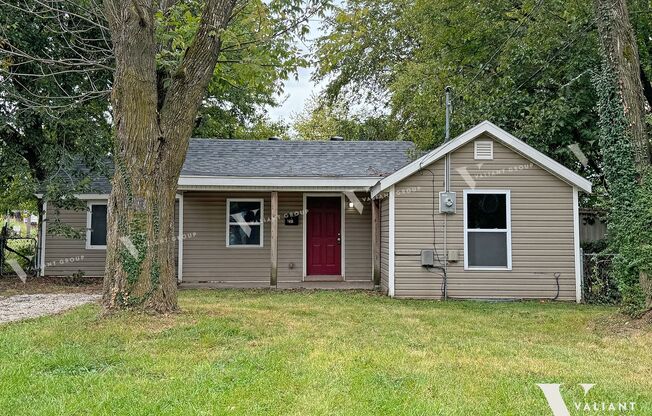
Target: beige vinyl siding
x: 207, y: 259
x: 65, y: 256
x: 541, y: 220
x: 384, y: 245
x: 357, y: 238
x: 290, y: 238
x: 206, y: 256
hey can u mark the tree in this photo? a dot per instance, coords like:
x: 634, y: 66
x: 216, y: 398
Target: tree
x: 321, y: 120
x: 627, y: 151
x: 55, y: 112
x: 38, y: 140
x: 154, y: 111
x: 523, y: 65
x: 620, y: 51
x: 163, y: 58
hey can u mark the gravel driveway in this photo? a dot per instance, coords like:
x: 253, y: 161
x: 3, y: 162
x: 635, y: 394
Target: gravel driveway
x: 19, y: 307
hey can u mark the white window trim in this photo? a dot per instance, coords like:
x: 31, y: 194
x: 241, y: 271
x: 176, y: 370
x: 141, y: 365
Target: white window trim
x: 89, y: 214
x: 261, y: 223
x: 508, y: 213
x: 475, y: 150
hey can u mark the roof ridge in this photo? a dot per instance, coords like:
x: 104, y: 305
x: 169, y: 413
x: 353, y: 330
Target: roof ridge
x: 298, y: 141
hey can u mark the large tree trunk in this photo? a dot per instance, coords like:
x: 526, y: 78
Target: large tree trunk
x: 618, y: 43
x: 152, y: 131
x: 621, y: 52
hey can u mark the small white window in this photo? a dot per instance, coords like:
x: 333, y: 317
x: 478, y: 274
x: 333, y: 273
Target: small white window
x: 243, y: 223
x: 96, y: 225
x: 484, y: 150
x: 487, y: 230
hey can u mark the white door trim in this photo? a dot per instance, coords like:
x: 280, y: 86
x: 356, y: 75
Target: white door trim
x: 342, y: 230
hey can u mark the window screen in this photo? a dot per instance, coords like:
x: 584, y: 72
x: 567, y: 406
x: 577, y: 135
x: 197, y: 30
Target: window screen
x: 98, y: 225
x: 487, y: 228
x: 244, y: 224
x: 487, y: 249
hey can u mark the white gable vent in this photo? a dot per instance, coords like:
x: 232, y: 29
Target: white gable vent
x: 484, y: 150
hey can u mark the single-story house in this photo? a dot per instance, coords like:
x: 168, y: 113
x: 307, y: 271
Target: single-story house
x: 483, y: 216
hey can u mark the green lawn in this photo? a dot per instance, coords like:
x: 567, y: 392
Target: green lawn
x: 298, y: 353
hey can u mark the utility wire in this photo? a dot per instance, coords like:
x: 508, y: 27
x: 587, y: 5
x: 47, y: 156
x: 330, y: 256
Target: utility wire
x: 526, y: 18
x: 555, y: 55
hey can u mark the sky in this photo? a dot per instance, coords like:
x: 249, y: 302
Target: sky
x: 296, y: 92
x: 295, y: 95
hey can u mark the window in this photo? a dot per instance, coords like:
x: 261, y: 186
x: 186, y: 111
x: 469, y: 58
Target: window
x: 96, y: 225
x: 243, y: 223
x: 487, y: 230
x: 483, y: 150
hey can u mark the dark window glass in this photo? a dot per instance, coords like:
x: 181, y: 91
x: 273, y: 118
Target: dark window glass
x: 98, y: 225
x: 244, y: 235
x: 244, y: 223
x: 244, y: 211
x: 486, y: 211
x: 488, y: 249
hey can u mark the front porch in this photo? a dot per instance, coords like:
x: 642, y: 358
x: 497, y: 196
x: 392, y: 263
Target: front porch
x: 268, y: 239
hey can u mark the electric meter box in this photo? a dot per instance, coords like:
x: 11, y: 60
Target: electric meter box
x: 447, y: 202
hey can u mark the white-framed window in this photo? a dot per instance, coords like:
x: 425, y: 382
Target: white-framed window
x: 96, y: 225
x: 483, y: 150
x: 244, y: 227
x: 487, y: 230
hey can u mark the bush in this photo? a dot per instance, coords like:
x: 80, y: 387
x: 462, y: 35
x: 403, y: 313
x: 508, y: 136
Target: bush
x: 26, y: 248
x: 600, y: 286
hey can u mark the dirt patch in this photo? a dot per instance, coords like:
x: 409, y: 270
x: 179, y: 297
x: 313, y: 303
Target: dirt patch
x: 19, y: 307
x: 10, y: 286
x: 623, y: 325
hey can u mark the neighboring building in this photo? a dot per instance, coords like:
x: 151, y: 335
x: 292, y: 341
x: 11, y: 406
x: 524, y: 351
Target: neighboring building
x: 593, y: 225
x: 482, y: 216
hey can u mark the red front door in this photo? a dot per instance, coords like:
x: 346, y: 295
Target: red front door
x: 323, y: 240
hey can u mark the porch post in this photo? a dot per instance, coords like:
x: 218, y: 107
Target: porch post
x: 274, y: 241
x: 375, y: 240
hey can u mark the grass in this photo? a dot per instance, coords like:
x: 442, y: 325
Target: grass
x: 298, y: 353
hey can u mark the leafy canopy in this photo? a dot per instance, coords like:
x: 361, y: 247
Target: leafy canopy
x: 525, y: 66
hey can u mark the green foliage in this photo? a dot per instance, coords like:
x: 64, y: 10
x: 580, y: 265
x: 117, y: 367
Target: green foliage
x: 223, y: 125
x: 322, y: 120
x: 43, y: 139
x: 630, y: 216
x: 600, y: 286
x: 259, y: 51
x: 640, y: 13
x: 523, y: 65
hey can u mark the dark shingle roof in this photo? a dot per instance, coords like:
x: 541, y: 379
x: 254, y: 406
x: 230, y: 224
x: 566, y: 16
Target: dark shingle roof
x: 282, y: 158
x: 279, y: 158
